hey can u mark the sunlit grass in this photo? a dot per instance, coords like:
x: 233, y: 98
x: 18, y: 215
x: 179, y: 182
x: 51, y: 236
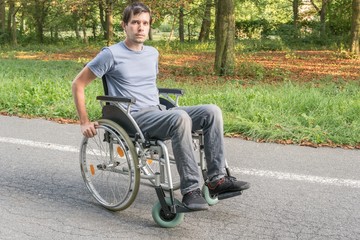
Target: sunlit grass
x: 320, y: 113
x: 288, y: 111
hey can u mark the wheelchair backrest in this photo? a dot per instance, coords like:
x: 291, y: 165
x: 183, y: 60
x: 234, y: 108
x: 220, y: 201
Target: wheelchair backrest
x: 121, y: 116
x: 163, y: 101
x: 115, y: 114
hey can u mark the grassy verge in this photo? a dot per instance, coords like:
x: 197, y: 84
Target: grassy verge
x: 325, y: 113
x: 288, y: 112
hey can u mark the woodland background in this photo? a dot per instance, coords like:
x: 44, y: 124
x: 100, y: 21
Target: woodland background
x: 293, y: 75
x: 316, y: 21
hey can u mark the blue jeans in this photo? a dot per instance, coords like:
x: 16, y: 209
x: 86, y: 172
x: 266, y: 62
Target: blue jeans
x: 178, y: 124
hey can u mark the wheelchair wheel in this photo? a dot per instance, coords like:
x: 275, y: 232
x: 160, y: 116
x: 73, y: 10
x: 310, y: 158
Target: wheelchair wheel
x: 166, y: 221
x: 109, y: 166
x: 209, y: 199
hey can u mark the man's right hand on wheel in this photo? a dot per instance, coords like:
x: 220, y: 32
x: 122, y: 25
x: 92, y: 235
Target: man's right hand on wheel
x: 89, y: 129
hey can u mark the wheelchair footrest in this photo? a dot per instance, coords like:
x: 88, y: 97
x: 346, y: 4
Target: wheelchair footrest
x: 228, y: 195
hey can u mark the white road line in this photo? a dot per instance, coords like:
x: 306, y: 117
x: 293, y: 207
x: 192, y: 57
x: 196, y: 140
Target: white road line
x: 246, y: 171
x: 298, y: 177
x: 30, y: 143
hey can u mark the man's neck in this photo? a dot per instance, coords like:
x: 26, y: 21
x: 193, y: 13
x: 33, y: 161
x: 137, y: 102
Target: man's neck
x: 133, y: 46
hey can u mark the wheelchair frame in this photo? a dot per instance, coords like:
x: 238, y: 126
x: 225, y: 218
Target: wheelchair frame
x: 122, y: 161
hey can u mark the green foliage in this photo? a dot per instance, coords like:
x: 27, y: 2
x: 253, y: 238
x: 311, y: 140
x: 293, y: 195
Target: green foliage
x: 252, y: 28
x: 178, y: 46
x: 37, y: 88
x: 62, y: 21
x: 339, y: 17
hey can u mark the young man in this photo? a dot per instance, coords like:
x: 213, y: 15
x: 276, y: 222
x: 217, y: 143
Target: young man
x: 131, y: 69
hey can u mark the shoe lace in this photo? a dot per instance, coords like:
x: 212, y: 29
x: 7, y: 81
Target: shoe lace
x: 230, y: 178
x: 194, y: 193
x: 197, y: 192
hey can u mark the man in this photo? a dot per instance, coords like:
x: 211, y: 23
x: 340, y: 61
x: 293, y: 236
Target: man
x: 131, y: 69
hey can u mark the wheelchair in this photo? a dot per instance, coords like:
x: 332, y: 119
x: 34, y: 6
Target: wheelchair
x: 114, y: 161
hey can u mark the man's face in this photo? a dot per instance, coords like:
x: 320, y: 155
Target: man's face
x: 137, y: 29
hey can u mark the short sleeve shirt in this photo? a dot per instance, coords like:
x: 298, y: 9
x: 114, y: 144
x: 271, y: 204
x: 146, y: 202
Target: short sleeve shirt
x: 129, y: 73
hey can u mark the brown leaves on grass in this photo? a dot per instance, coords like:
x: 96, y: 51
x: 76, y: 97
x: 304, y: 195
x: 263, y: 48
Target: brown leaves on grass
x: 302, y: 66
x: 310, y: 65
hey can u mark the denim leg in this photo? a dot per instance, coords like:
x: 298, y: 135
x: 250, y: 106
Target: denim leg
x: 209, y: 119
x: 177, y: 125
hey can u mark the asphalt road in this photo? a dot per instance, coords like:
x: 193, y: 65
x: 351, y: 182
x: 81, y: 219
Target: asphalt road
x: 297, y: 192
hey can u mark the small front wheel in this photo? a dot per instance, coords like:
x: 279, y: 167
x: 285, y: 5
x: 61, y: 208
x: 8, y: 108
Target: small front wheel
x: 209, y: 199
x: 166, y: 220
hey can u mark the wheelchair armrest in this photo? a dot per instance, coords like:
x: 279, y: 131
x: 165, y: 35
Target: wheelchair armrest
x: 116, y: 99
x: 171, y: 91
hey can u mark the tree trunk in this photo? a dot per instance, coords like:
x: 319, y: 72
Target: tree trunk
x: 13, y: 29
x: 323, y: 18
x: 39, y: 14
x: 295, y: 7
x: 12, y: 23
x: 102, y: 18
x: 10, y: 10
x: 56, y: 32
x: 85, y: 37
x: 189, y: 32
x: 225, y: 37
x: 150, y: 34
x: 22, y: 26
x: 355, y: 27
x: 322, y: 13
x: 76, y: 29
x: 181, y: 24
x: 2, y: 16
x: 172, y: 29
x: 93, y: 28
x: 109, y: 22
x: 206, y: 22
x: 84, y: 17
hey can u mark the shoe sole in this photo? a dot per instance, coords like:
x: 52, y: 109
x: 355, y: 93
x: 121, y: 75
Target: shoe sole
x: 244, y: 187
x: 226, y: 195
x: 197, y: 207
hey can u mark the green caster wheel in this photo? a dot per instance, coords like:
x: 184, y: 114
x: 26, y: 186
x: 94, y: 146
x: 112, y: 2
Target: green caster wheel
x: 166, y: 221
x: 210, y: 200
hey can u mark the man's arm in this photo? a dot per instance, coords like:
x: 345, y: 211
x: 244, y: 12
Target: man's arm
x: 78, y: 91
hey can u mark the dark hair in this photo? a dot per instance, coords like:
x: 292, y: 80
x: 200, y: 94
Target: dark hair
x: 135, y: 9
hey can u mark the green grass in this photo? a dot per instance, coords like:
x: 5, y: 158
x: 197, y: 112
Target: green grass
x: 286, y: 111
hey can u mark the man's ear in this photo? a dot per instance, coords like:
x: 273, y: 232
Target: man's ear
x: 123, y: 25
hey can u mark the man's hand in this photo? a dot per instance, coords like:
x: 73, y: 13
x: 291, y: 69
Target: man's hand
x: 89, y: 129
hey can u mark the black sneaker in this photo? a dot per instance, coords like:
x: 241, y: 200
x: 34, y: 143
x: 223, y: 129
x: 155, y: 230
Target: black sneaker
x: 226, y: 184
x: 194, y: 201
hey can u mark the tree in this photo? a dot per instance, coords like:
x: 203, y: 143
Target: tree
x: 206, y: 23
x: 322, y: 13
x: 12, y: 27
x: 79, y: 12
x: 181, y: 24
x: 2, y: 16
x: 225, y: 37
x: 40, y: 10
x: 106, y: 8
x: 109, y: 21
x: 355, y: 27
x: 295, y: 7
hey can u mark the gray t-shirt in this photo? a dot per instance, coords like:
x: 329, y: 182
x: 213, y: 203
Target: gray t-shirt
x: 129, y: 73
